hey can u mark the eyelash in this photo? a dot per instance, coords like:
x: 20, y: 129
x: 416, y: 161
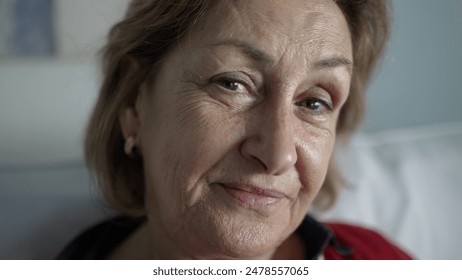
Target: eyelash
x: 314, y: 100
x: 228, y: 81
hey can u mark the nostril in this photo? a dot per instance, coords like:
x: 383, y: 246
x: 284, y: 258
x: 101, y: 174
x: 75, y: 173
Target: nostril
x: 271, y: 158
x: 271, y: 143
x: 283, y: 161
x: 261, y: 163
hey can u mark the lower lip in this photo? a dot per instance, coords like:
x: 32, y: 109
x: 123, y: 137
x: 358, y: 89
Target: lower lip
x: 251, y: 200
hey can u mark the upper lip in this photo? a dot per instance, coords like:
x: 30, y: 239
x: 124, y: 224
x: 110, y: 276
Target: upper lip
x: 256, y: 189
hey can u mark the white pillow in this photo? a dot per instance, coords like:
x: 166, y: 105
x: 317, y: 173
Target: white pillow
x: 407, y: 184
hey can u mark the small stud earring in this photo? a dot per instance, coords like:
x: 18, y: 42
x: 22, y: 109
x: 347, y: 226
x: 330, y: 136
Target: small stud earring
x: 129, y: 146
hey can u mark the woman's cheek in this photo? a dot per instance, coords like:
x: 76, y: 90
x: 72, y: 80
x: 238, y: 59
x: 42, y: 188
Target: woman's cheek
x: 312, y: 166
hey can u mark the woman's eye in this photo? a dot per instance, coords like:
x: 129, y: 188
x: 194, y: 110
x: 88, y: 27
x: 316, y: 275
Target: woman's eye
x: 234, y: 82
x: 232, y: 85
x: 235, y: 89
x: 315, y: 104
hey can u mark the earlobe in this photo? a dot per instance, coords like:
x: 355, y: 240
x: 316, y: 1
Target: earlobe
x: 130, y: 125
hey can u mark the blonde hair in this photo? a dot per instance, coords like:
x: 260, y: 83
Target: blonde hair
x: 137, y: 45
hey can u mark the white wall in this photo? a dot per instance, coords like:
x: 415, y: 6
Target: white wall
x: 81, y: 26
x: 45, y: 102
x: 43, y: 109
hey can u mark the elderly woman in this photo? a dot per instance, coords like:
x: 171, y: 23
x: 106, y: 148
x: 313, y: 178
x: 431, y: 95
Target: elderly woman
x: 215, y: 125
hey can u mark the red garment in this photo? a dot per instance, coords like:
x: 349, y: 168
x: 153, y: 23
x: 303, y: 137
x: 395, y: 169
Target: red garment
x: 365, y: 244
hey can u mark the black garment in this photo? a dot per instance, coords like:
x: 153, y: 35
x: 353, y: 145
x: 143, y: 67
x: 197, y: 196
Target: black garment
x: 98, y: 241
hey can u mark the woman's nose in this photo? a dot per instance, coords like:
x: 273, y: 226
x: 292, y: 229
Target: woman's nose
x: 272, y: 141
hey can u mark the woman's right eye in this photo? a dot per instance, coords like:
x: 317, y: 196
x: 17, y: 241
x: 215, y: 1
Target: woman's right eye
x: 234, y: 83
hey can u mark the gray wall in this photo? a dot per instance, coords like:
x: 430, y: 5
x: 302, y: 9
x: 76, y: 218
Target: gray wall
x: 421, y: 79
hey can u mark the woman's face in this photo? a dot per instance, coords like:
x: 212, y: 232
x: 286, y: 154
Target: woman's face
x: 237, y: 128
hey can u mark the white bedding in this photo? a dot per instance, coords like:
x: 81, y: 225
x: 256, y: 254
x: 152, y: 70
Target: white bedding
x: 408, y: 184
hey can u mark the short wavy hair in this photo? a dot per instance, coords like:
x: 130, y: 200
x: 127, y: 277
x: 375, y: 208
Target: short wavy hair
x: 137, y: 45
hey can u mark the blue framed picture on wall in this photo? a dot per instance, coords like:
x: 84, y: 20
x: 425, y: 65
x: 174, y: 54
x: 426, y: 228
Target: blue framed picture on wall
x: 26, y: 28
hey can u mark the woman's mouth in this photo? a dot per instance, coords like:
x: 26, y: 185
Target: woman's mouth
x: 253, y: 197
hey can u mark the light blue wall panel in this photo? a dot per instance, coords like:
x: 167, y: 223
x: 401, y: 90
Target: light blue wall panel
x: 421, y: 79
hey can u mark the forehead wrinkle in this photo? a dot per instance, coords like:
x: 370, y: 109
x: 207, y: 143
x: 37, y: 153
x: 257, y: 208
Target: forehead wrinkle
x: 258, y: 22
x: 298, y: 45
x: 235, y: 14
x: 291, y: 30
x: 248, y: 49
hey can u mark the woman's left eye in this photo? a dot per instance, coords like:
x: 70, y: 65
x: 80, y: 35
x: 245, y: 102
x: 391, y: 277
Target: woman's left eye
x: 315, y: 104
x: 232, y: 85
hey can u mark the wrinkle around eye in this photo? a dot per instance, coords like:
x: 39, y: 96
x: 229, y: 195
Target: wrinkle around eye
x: 319, y: 116
x: 196, y: 109
x: 226, y: 79
x: 232, y: 100
x: 243, y: 96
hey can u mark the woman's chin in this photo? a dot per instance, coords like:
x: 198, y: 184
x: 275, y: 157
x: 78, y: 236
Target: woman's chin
x: 239, y: 239
x: 255, y: 248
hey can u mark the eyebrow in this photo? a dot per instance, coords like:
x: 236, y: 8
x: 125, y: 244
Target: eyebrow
x: 261, y: 56
x: 248, y: 49
x: 334, y: 62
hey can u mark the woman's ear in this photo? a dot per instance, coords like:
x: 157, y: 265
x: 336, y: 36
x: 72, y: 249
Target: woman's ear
x: 129, y: 122
x: 130, y: 117
x: 130, y: 125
